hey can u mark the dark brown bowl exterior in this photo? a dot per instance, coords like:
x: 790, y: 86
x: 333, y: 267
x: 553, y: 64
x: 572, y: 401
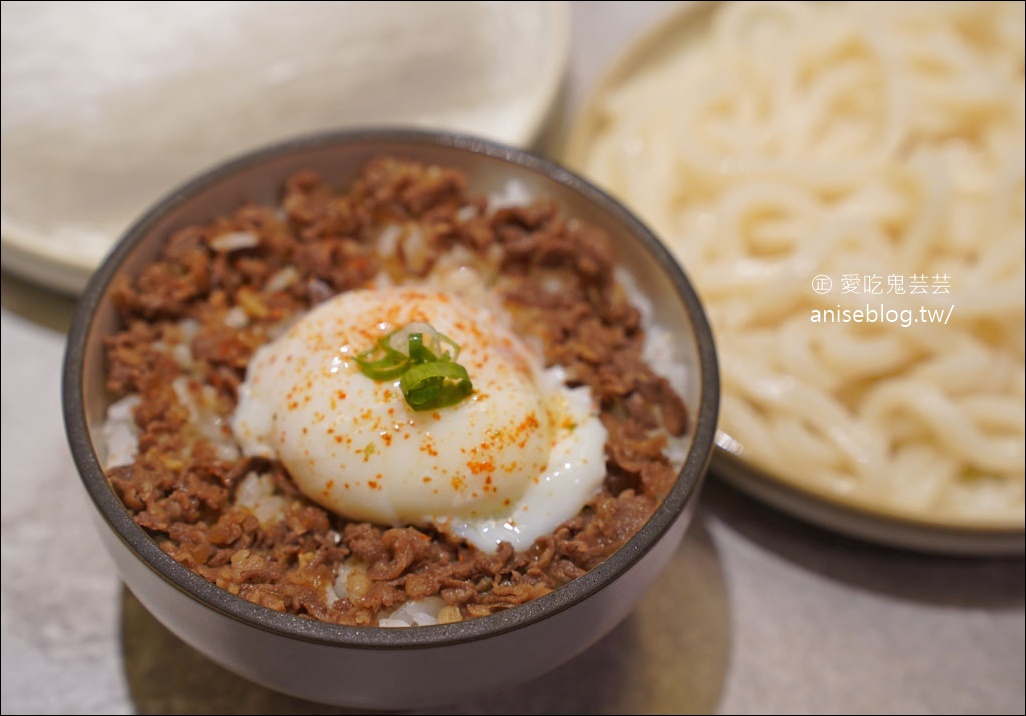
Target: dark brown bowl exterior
x: 373, y: 667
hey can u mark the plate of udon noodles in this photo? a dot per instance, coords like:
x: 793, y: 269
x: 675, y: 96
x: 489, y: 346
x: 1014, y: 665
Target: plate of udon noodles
x: 843, y: 183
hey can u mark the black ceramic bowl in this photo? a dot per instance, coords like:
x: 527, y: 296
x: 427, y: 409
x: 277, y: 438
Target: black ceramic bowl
x: 374, y: 667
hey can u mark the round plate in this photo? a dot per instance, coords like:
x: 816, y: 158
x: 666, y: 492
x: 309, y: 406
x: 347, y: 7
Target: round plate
x: 869, y: 522
x: 865, y: 522
x: 107, y: 106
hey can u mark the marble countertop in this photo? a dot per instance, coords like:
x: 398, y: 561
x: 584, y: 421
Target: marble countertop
x: 756, y: 612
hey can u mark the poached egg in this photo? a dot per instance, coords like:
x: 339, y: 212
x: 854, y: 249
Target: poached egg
x: 511, y: 461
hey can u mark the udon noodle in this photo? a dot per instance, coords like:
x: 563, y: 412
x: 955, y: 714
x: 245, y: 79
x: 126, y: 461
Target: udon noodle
x: 844, y: 184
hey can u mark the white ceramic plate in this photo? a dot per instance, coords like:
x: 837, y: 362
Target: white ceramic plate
x: 108, y: 106
x: 871, y: 522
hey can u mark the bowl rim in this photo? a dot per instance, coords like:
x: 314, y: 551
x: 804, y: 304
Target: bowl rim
x: 199, y: 589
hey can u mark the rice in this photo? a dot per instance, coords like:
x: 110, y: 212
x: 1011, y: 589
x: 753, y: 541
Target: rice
x: 119, y: 432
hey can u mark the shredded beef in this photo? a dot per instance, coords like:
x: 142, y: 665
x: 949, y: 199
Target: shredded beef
x: 555, y: 276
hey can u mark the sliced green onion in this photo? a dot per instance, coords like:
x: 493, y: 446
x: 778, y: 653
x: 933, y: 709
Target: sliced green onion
x: 399, y: 339
x: 425, y: 362
x: 420, y: 353
x: 382, y: 362
x: 438, y: 384
x: 442, y: 338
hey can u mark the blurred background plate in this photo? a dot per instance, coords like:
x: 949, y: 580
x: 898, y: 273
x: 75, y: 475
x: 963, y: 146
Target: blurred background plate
x: 109, y: 105
x: 680, y: 34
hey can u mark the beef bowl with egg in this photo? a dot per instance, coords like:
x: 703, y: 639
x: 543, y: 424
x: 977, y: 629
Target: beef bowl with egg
x: 390, y: 418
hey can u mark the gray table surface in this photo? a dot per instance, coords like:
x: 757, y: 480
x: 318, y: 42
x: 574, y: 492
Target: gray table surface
x: 756, y: 613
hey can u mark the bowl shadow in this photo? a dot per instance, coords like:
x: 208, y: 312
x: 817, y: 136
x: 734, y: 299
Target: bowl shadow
x: 950, y: 581
x: 36, y: 304
x: 670, y: 655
